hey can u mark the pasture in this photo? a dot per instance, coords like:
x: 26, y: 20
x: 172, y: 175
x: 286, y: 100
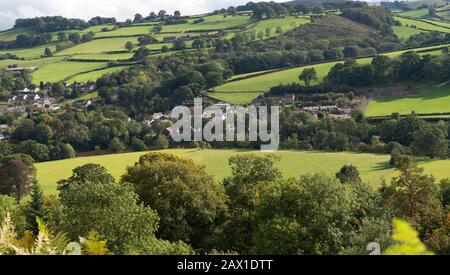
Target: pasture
x: 59, y: 71
x: 99, y: 46
x: 415, y: 13
x: 126, y: 31
x: 243, y: 91
x: 405, y: 32
x: 427, y: 101
x: 212, y: 22
x: 30, y: 53
x: 10, y: 35
x: 372, y: 167
x: 93, y: 76
x: 406, y: 22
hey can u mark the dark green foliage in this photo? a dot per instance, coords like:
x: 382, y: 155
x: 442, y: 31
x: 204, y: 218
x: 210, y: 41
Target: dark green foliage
x: 35, y: 208
x: 190, y: 204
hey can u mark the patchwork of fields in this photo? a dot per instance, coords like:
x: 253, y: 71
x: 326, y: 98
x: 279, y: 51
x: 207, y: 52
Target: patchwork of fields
x: 109, y: 45
x: 293, y: 164
x: 244, y: 91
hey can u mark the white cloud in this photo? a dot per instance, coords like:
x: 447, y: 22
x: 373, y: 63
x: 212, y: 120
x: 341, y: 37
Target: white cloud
x: 86, y: 9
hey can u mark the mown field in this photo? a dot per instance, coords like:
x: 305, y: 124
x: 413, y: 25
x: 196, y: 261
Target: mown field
x: 244, y: 91
x: 429, y: 100
x: 372, y: 167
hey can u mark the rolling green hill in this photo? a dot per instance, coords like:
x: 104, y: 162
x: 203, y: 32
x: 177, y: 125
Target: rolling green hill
x: 243, y: 91
x: 109, y: 44
x: 293, y: 164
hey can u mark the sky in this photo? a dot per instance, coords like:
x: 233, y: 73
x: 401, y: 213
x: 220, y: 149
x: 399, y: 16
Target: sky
x: 10, y: 10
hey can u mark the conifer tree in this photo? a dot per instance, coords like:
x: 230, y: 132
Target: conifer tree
x: 35, y: 207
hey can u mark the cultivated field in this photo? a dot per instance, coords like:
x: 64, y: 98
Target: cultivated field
x: 428, y: 101
x: 293, y: 164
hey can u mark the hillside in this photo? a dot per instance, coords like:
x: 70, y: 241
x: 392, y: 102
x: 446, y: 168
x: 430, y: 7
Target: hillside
x: 334, y: 26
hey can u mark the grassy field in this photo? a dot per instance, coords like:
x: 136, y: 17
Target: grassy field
x: 405, y: 32
x: 293, y: 164
x: 40, y: 63
x: 30, y: 53
x: 99, y: 46
x: 140, y: 30
x: 212, y: 22
x: 93, y: 76
x: 440, y: 23
x: 406, y: 22
x: 415, y: 13
x: 10, y: 35
x: 59, y: 71
x: 243, y: 91
x: 103, y: 56
x: 431, y: 100
x: 287, y: 23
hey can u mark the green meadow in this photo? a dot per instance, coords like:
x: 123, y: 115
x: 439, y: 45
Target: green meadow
x: 93, y: 76
x: 126, y: 31
x: 212, y: 22
x: 405, y: 32
x: 30, y: 53
x: 415, y: 13
x: 10, y: 35
x: 103, y: 56
x: 406, y: 22
x: 243, y: 91
x: 99, y: 46
x: 30, y: 63
x: 373, y: 168
x: 429, y: 100
x: 59, y: 71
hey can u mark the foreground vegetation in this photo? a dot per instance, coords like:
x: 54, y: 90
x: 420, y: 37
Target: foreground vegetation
x: 372, y: 167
